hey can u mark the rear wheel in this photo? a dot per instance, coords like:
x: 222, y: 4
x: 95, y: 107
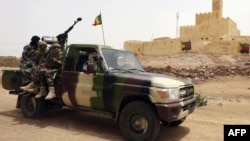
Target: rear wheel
x: 138, y: 122
x: 31, y: 106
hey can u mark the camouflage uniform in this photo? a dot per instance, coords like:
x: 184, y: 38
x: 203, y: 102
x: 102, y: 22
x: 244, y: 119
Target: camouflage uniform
x: 27, y: 59
x: 39, y: 78
x: 53, y: 63
x: 29, y: 50
x: 38, y: 59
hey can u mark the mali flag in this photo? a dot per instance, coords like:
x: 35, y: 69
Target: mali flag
x: 186, y: 45
x: 98, y: 20
x: 243, y: 48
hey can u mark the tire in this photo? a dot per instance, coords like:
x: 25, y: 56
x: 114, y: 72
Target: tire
x: 52, y: 105
x: 31, y: 106
x: 174, y: 123
x: 138, y: 122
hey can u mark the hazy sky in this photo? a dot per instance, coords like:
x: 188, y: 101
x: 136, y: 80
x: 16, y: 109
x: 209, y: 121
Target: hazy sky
x: 122, y: 20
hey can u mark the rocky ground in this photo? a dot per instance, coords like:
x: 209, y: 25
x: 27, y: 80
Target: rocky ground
x: 228, y: 98
x: 193, y: 60
x: 198, y: 67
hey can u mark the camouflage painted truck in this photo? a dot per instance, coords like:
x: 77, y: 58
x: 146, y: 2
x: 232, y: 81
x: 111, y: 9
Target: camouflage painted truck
x: 113, y: 83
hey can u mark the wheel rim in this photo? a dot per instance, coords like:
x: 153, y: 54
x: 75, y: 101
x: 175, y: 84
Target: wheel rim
x: 31, y: 104
x: 138, y: 123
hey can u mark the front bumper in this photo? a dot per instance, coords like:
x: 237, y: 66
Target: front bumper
x: 175, y: 111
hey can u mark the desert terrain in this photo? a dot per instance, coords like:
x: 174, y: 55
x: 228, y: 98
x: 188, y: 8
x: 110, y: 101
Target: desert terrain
x: 228, y: 103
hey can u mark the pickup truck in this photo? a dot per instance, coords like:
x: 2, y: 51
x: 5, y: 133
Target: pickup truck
x: 113, y: 83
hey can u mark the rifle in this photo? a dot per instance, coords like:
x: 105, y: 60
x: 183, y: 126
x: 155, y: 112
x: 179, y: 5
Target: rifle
x: 63, y: 37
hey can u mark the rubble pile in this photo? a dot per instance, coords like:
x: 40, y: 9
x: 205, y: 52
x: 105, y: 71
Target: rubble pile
x: 202, y: 73
x: 198, y: 67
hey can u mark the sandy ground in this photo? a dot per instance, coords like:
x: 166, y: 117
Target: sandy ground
x: 228, y: 103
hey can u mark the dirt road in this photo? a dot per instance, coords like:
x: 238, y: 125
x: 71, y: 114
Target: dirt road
x: 228, y: 103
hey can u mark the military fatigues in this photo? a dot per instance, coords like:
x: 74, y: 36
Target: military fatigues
x: 28, y: 55
x: 53, y: 63
x: 39, y: 60
x: 27, y: 59
x: 39, y: 78
x: 35, y: 70
x: 29, y: 51
x: 44, y: 71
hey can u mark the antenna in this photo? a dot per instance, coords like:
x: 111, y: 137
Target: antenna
x: 177, y: 24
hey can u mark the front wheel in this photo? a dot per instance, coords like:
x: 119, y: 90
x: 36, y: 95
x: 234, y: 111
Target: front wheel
x: 138, y: 122
x: 32, y: 107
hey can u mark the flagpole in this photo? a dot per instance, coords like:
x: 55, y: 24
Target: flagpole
x: 103, y: 33
x: 98, y: 21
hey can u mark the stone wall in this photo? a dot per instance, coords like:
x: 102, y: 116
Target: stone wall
x: 202, y: 17
x: 200, y: 44
x: 223, y: 26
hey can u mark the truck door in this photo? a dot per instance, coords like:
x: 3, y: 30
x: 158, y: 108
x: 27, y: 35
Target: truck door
x: 81, y: 87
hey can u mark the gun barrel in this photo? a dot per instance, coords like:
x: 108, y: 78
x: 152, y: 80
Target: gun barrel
x: 71, y: 27
x: 62, y: 38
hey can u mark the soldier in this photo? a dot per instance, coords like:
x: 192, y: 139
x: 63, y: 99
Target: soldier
x: 29, y: 50
x: 41, y: 53
x: 90, y: 65
x: 52, y: 64
x: 39, y: 57
x: 27, y: 59
x: 39, y: 77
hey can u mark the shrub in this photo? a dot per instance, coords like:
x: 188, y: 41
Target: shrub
x: 200, y: 100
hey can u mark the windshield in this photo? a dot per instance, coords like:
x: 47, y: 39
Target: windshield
x: 121, y: 60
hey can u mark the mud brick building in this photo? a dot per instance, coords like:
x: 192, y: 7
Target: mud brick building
x: 212, y: 33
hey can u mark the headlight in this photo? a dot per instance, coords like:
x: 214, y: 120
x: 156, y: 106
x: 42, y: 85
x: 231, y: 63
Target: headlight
x: 172, y: 94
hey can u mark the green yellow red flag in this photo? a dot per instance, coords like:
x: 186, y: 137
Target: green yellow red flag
x: 98, y: 20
